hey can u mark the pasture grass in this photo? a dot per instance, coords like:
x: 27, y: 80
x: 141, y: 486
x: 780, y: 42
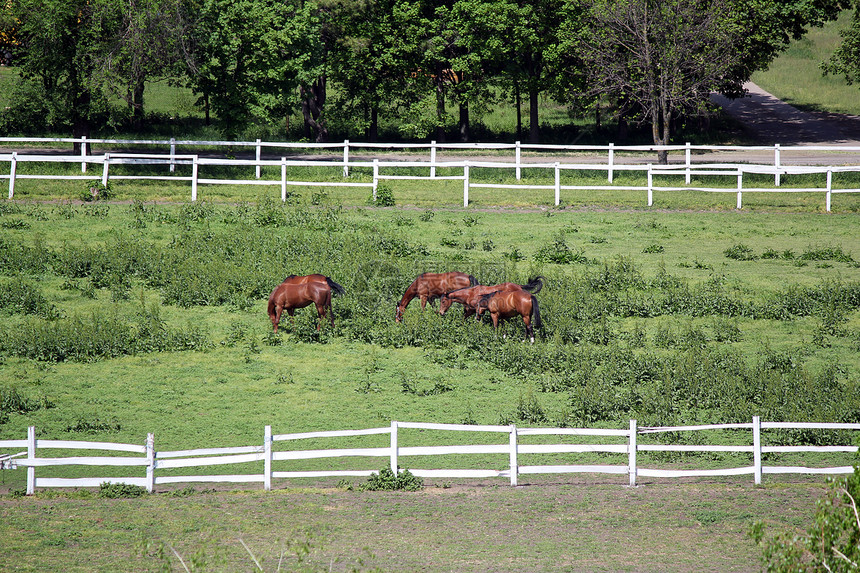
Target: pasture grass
x: 795, y: 76
x: 629, y: 190
x: 594, y: 525
x: 236, y: 377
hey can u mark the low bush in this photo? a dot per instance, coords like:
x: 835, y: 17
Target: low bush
x: 386, y: 480
x: 120, y: 490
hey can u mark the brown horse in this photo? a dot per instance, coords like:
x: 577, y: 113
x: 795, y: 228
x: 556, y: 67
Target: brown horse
x: 504, y: 305
x: 429, y: 286
x: 299, y: 292
x: 470, y: 296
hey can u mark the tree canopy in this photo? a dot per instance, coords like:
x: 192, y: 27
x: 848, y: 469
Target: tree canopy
x: 347, y: 63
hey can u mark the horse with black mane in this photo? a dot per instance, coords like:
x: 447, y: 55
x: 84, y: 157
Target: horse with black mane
x: 430, y: 286
x: 470, y: 296
x: 301, y: 291
x: 504, y: 305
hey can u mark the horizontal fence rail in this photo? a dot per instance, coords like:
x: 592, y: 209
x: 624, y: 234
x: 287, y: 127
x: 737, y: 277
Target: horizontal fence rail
x: 610, y: 159
x: 513, y: 443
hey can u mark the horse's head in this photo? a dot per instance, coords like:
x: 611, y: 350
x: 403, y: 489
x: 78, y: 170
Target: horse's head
x: 398, y: 314
x: 483, y: 303
x: 444, y: 304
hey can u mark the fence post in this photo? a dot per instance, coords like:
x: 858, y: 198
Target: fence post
x: 267, y: 458
x: 776, y: 165
x: 83, y: 154
x: 13, y: 167
x: 650, y: 186
x: 687, y: 159
x: 259, y: 155
x: 375, y: 177
x: 394, y: 447
x: 105, y: 170
x: 172, y: 154
x: 518, y: 157
x: 194, y: 171
x: 466, y: 184
x: 346, y: 158
x: 150, y: 468
x: 829, y: 189
x: 31, y: 455
x: 433, y: 159
x: 284, y: 179
x: 757, y: 449
x: 631, y: 464
x: 557, y: 184
x: 610, y: 162
x: 515, y: 467
x: 740, y: 187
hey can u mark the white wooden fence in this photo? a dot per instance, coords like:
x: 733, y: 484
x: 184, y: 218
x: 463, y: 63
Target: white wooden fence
x: 607, y: 159
x: 624, y: 444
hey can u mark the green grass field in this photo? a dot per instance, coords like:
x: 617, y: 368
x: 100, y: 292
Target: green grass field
x: 236, y: 378
x: 795, y: 76
x: 147, y: 314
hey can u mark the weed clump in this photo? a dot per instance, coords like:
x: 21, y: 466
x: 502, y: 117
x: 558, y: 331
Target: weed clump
x: 385, y: 480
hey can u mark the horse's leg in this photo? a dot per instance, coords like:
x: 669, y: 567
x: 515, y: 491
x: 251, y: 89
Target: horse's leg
x: 330, y: 310
x: 321, y: 312
x: 276, y: 317
x: 291, y: 311
x: 530, y: 332
x: 424, y: 298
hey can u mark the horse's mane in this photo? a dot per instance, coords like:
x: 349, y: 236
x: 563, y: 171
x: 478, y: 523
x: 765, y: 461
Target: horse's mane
x: 290, y: 277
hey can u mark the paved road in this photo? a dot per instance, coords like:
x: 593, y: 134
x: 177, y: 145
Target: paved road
x: 771, y: 120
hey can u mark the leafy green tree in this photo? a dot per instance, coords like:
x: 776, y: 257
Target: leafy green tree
x: 242, y: 59
x: 832, y: 543
x: 147, y: 47
x: 661, y: 57
x: 846, y: 58
x: 376, y: 51
x: 515, y: 39
x: 62, y: 41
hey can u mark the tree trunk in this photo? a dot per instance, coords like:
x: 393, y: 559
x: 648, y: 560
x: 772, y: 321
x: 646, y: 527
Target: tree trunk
x: 137, y: 105
x: 313, y: 102
x: 465, y: 135
x: 534, y: 125
x: 660, y: 128
x: 81, y: 120
x: 373, y: 129
x: 440, y: 104
x: 519, y: 99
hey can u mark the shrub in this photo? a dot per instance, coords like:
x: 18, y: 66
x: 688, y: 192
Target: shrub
x: 385, y: 480
x: 384, y: 197
x: 96, y: 191
x: 830, y: 544
x: 740, y: 252
x: 120, y: 490
x: 25, y: 298
x: 559, y: 253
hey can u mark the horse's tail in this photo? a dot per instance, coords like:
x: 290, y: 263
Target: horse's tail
x: 536, y: 311
x: 534, y: 285
x: 335, y: 287
x: 473, y: 281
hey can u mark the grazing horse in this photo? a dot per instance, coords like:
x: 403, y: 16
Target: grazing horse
x: 429, y: 286
x: 299, y: 292
x: 504, y: 305
x: 470, y: 296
